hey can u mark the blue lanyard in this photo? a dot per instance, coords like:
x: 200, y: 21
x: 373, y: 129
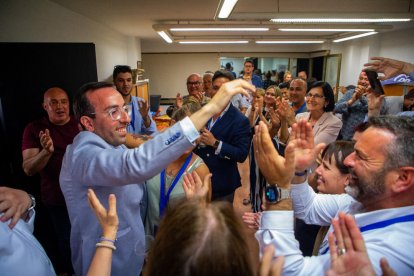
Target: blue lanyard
x: 382, y: 224
x: 132, y: 123
x: 164, y: 198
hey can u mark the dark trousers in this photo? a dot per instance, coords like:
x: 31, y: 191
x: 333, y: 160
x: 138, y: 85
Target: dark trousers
x: 59, y: 218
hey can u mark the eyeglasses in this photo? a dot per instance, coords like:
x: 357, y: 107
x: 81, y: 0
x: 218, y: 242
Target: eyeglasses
x: 193, y: 83
x: 116, y: 112
x: 316, y: 96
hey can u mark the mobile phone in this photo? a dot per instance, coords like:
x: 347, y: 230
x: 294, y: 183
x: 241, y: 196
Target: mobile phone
x: 374, y: 82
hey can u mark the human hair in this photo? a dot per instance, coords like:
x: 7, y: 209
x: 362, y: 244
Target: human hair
x: 81, y: 104
x: 260, y: 91
x: 400, y: 151
x: 302, y: 81
x: 228, y: 66
x: 340, y: 150
x: 327, y: 93
x: 278, y: 92
x: 200, y: 239
x: 223, y: 74
x: 249, y: 61
x: 361, y: 127
x: 284, y: 85
x: 120, y: 69
x: 186, y: 110
x: 409, y: 95
x: 286, y: 73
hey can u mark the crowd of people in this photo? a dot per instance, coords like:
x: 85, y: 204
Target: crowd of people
x: 331, y: 183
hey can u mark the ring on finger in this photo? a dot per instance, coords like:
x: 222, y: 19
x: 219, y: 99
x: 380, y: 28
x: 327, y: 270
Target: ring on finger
x: 341, y: 251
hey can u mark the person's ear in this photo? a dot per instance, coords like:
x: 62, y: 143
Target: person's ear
x: 87, y: 123
x: 404, y: 181
x: 44, y: 106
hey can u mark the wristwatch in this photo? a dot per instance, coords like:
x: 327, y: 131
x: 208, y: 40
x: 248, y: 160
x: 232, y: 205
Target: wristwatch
x: 33, y: 202
x: 274, y: 194
x: 216, y: 144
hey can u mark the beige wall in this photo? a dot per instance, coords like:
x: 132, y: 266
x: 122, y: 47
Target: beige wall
x: 168, y: 72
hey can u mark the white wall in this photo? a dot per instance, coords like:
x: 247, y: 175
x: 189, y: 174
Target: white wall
x: 397, y: 45
x: 45, y: 21
x: 168, y: 72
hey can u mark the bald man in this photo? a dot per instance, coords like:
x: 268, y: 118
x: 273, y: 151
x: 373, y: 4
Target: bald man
x: 44, y: 144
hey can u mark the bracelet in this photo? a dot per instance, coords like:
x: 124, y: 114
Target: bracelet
x: 106, y: 239
x: 106, y: 245
x: 305, y: 172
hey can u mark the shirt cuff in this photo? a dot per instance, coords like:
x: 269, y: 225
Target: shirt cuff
x: 277, y: 220
x: 189, y: 129
x: 218, y: 149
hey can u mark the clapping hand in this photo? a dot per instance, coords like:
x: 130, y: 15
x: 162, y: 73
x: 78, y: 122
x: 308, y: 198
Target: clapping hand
x: 46, y: 141
x: 194, y: 187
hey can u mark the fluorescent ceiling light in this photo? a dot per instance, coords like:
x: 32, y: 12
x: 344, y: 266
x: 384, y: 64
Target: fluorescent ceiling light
x: 165, y: 36
x: 338, y: 20
x: 289, y: 41
x: 326, y: 30
x: 354, y: 36
x: 226, y: 8
x: 223, y: 29
x: 216, y: 42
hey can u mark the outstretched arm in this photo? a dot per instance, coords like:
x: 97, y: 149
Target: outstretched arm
x: 389, y: 67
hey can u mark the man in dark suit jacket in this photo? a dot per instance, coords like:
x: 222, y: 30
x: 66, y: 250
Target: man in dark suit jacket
x: 224, y: 141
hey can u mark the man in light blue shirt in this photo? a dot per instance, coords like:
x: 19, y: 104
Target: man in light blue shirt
x: 98, y: 158
x: 141, y: 121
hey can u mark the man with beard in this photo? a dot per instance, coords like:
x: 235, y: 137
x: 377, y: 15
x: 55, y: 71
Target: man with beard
x: 381, y: 186
x: 141, y: 121
x: 43, y: 146
x: 353, y: 106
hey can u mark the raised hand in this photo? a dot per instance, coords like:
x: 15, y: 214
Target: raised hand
x: 194, y: 187
x: 14, y: 204
x: 348, y: 255
x: 374, y: 103
x: 389, y: 67
x: 107, y: 219
x: 179, y: 100
x: 274, y: 167
x: 46, y: 141
x: 143, y: 108
x: 302, y: 144
x: 268, y: 266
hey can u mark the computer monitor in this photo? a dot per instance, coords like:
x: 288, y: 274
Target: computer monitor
x: 154, y: 103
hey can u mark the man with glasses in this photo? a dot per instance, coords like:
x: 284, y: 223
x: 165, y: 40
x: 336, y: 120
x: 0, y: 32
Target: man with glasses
x: 141, y: 121
x: 44, y: 144
x: 195, y: 90
x: 98, y: 158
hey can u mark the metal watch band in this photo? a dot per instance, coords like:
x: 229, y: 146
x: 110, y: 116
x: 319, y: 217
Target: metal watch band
x: 33, y: 202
